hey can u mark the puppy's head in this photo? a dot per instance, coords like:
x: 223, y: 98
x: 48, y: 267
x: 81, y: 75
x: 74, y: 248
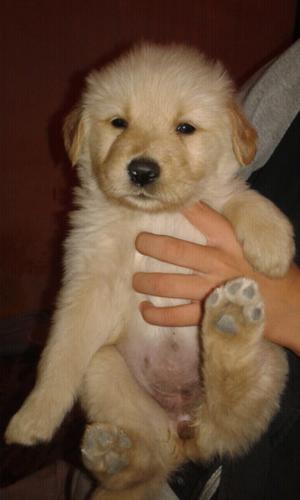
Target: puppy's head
x: 155, y: 125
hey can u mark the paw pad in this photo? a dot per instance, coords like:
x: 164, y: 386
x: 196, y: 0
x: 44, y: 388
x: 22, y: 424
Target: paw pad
x: 227, y: 324
x: 249, y: 291
x: 105, y: 448
x: 235, y: 306
x: 234, y: 287
x: 114, y: 462
x: 254, y: 313
x: 213, y: 298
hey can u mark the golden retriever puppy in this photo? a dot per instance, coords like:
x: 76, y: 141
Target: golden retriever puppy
x: 154, y: 132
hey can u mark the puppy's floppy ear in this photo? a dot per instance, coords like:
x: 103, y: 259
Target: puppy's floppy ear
x: 73, y: 132
x: 243, y: 135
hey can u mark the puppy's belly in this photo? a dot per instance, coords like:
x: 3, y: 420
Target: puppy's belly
x: 166, y: 363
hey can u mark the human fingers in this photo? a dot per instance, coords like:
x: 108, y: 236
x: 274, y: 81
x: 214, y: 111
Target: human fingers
x: 177, y: 286
x: 176, y: 251
x: 184, y: 315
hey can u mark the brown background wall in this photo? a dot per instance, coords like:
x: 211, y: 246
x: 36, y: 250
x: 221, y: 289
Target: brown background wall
x: 47, y: 46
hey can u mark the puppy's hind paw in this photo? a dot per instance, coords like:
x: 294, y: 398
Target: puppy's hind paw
x: 235, y: 309
x: 105, y: 449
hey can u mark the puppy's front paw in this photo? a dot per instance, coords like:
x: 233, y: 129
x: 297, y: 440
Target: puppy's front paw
x: 29, y: 426
x: 264, y: 232
x: 270, y: 249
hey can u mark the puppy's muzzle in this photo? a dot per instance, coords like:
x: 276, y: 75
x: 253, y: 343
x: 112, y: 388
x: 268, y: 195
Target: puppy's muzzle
x: 143, y: 171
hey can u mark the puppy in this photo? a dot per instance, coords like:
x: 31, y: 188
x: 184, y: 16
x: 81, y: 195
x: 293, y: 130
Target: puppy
x: 154, y: 132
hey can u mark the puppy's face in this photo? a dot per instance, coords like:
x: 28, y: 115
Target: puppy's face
x: 155, y: 125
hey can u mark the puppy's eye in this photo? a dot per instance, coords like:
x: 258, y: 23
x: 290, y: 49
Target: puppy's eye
x: 119, y: 123
x: 185, y: 128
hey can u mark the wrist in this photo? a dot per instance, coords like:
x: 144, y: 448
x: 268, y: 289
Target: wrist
x: 282, y: 302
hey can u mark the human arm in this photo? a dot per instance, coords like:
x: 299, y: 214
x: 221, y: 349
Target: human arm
x: 221, y: 260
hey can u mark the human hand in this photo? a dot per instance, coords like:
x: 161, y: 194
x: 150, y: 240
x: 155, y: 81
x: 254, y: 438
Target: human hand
x: 221, y: 260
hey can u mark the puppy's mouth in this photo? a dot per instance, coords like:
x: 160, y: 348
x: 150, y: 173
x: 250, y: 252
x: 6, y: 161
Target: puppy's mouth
x: 141, y: 196
x: 143, y: 200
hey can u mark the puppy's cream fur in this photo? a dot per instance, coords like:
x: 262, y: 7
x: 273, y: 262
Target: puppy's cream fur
x: 99, y: 345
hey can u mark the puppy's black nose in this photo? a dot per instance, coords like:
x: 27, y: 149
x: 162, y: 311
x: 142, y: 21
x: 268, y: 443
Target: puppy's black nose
x: 143, y: 171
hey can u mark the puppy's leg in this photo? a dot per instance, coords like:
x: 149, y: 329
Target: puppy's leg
x: 265, y: 233
x: 85, y: 319
x: 130, y: 441
x: 243, y: 374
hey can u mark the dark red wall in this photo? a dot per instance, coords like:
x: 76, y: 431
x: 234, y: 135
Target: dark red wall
x: 46, y: 48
